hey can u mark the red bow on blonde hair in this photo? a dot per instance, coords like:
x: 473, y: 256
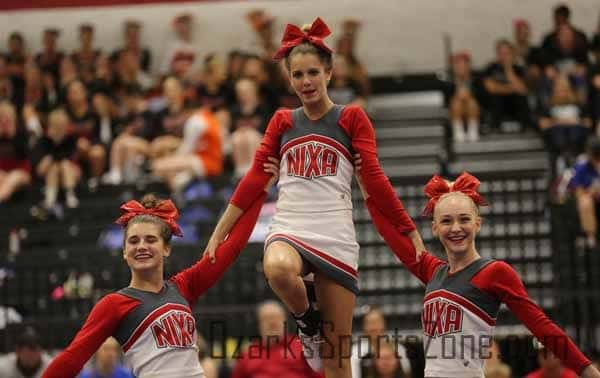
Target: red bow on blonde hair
x: 293, y: 36
x: 465, y: 183
x: 166, y: 211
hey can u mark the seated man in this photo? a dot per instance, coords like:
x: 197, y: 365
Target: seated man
x: 106, y: 362
x: 505, y: 87
x: 28, y: 360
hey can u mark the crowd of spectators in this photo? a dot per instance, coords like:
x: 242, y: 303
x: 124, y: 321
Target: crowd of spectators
x: 552, y: 87
x: 90, y: 117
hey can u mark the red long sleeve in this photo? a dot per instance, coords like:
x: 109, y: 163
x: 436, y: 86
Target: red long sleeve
x: 194, y: 281
x: 357, y: 124
x: 100, y: 324
x: 402, y: 246
x: 256, y: 178
x: 501, y: 280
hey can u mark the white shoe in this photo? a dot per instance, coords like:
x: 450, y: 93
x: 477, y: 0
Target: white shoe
x: 459, y: 134
x: 311, y: 350
x: 113, y: 177
x: 473, y: 134
x: 71, y: 201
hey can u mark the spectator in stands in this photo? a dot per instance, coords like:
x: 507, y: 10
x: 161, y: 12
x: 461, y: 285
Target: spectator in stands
x: 565, y: 125
x: 212, y: 91
x: 345, y: 47
x: 594, y: 94
x: 55, y: 160
x: 133, y: 46
x: 235, y: 63
x: 207, y: 363
x: 85, y: 126
x: 550, y: 366
x: 505, y: 86
x: 493, y: 366
x: 68, y: 74
x: 199, y: 154
x: 565, y: 42
x: 343, y: 89
x: 167, y: 128
x: 34, y: 99
x: 530, y: 57
x: 386, y: 363
x: 248, y: 123
x: 106, y: 362
x: 84, y: 57
x: 286, y: 96
x: 181, y: 55
x: 255, y: 68
x: 49, y: 58
x: 131, y: 147
x: 6, y: 87
x: 274, y: 355
x: 15, y: 66
x: 14, y: 163
x: 28, y: 360
x: 262, y: 24
x: 368, y: 348
x: 586, y: 184
x: 461, y: 95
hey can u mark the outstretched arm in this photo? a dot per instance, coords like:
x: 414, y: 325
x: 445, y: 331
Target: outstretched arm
x: 100, y: 324
x: 501, y: 280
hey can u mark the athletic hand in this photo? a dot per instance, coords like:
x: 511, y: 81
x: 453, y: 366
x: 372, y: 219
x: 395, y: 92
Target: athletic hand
x: 212, y: 246
x: 272, y: 167
x: 590, y: 372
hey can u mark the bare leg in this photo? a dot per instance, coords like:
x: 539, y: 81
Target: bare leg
x: 97, y: 159
x: 52, y: 181
x: 283, y: 268
x: 11, y: 181
x: 337, y: 305
x: 69, y: 174
x: 587, y: 216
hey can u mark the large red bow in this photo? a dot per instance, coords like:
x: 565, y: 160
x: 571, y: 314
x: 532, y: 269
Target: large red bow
x: 293, y: 36
x: 465, y: 183
x: 166, y: 211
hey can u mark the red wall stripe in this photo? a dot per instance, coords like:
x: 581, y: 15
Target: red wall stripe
x: 45, y: 4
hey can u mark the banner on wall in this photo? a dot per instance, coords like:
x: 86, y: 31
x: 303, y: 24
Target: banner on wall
x: 41, y: 4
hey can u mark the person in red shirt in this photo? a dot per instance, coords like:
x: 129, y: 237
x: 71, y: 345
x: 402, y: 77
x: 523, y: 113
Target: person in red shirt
x: 463, y: 295
x: 312, y: 232
x: 152, y: 318
x: 550, y: 366
x: 277, y: 353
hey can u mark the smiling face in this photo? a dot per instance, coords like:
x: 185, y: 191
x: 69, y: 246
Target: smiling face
x: 145, y: 249
x: 456, y: 222
x: 309, y: 78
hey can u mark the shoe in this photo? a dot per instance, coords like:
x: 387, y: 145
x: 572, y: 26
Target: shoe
x: 311, y: 350
x: 71, y: 201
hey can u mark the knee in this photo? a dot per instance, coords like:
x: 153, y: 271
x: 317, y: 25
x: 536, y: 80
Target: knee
x: 586, y: 203
x: 279, y: 270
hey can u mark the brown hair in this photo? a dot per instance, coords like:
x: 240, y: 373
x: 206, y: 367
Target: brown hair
x: 150, y: 201
x: 308, y: 48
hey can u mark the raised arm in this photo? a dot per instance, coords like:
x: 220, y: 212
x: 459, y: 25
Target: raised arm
x: 253, y: 183
x: 100, y: 324
x: 193, y: 282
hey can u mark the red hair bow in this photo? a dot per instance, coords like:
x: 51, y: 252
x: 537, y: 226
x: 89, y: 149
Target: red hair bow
x: 465, y: 183
x: 166, y: 211
x: 293, y: 36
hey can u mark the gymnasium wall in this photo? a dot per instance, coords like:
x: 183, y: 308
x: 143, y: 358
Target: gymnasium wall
x: 397, y: 36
